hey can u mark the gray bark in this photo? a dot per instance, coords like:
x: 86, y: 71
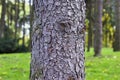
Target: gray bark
x: 58, y: 40
x: 98, y: 27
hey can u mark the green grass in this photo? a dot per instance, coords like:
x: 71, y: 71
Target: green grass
x: 107, y: 67
x: 14, y: 66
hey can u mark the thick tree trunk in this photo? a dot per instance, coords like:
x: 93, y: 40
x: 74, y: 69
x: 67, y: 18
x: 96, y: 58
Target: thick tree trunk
x: 116, y: 44
x: 58, y: 40
x: 2, y: 20
x: 98, y: 27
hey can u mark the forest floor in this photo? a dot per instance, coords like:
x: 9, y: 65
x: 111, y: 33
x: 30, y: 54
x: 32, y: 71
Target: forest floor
x: 106, y: 67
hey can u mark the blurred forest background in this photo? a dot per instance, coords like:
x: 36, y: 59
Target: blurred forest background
x: 16, y: 21
x: 16, y: 17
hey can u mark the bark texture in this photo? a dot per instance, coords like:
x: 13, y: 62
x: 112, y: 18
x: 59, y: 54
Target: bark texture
x: 98, y: 27
x: 116, y: 44
x: 58, y: 40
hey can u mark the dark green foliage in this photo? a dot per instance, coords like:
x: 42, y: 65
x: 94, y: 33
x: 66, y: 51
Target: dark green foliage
x: 22, y: 48
x: 7, y: 45
x: 11, y: 45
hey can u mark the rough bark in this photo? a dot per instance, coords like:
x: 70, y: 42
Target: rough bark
x: 116, y: 44
x: 58, y: 40
x: 98, y: 28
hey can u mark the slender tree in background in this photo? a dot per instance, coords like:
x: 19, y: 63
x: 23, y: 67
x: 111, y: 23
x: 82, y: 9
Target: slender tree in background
x: 16, y: 17
x: 24, y: 13
x: 98, y: 27
x: 58, y: 40
x: 89, y: 6
x: 8, y: 14
x: 31, y: 20
x: 116, y: 44
x: 11, y: 14
x: 2, y: 20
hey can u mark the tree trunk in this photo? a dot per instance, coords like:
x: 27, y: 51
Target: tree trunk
x: 23, y: 39
x: 31, y: 20
x: 58, y: 40
x: 16, y: 17
x: 116, y: 44
x: 8, y: 15
x: 89, y: 16
x: 98, y: 27
x: 2, y: 20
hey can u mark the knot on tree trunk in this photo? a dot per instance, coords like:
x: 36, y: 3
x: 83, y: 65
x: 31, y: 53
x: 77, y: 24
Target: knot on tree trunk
x: 64, y: 25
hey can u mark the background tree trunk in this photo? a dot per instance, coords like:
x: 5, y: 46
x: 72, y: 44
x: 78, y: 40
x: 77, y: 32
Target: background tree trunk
x: 16, y: 17
x: 116, y: 44
x: 90, y: 26
x: 98, y: 27
x: 24, y: 31
x: 2, y: 20
x: 58, y: 40
x: 31, y: 20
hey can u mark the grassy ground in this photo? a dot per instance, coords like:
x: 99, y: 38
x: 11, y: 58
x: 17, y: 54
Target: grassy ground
x: 106, y: 67
x: 14, y: 66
